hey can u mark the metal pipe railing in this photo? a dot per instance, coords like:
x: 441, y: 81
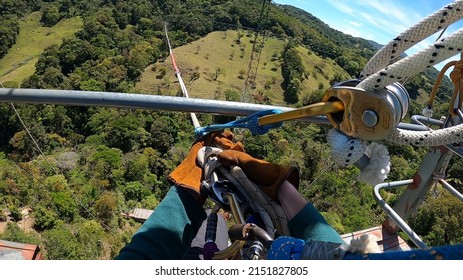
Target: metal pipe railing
x: 456, y: 150
x: 138, y: 101
x: 422, y: 120
x: 393, y: 215
x: 151, y: 102
x: 451, y: 189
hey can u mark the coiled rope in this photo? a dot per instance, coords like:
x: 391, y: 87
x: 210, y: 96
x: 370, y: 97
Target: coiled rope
x: 406, y: 67
x: 271, y: 213
x: 381, y: 71
x: 423, y: 29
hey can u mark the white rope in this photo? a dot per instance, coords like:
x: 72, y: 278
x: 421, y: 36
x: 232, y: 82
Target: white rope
x: 345, y: 150
x: 272, y: 208
x: 209, y: 162
x: 381, y: 71
x: 423, y: 29
x: 414, y: 64
x: 409, y: 66
x: 429, y: 138
x: 270, y: 212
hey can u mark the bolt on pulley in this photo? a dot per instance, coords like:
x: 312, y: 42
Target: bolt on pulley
x: 354, y: 111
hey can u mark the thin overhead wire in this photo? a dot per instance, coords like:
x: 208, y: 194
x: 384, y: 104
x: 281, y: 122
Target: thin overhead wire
x: 76, y: 199
x: 78, y: 202
x: 33, y: 139
x: 330, y: 165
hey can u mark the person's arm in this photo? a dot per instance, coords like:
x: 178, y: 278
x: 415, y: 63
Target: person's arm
x: 280, y: 183
x: 305, y: 222
x: 311, y: 236
x: 168, y: 232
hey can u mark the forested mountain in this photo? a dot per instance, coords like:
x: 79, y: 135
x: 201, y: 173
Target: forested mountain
x: 100, y: 162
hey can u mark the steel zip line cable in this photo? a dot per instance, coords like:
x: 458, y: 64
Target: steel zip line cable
x: 194, y: 119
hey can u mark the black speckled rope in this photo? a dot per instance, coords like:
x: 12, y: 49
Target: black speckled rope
x: 422, y: 30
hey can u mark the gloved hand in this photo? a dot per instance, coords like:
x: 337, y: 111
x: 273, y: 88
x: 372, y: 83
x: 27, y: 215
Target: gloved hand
x: 268, y: 176
x: 189, y: 174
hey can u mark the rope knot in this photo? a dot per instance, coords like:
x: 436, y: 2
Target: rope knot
x: 457, y: 73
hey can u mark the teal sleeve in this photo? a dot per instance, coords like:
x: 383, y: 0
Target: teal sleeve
x: 168, y: 232
x: 310, y: 225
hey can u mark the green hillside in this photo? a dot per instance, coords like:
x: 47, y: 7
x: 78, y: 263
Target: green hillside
x: 32, y: 40
x: 218, y: 63
x: 95, y: 163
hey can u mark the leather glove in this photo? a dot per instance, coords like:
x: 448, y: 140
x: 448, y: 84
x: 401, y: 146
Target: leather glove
x: 189, y: 174
x: 268, y: 176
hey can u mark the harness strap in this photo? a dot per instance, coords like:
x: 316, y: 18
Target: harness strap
x: 250, y: 122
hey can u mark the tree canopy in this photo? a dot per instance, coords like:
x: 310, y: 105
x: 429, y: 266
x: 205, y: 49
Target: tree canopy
x: 100, y: 162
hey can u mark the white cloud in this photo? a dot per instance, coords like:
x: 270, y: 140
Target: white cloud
x: 345, y: 8
x: 370, y: 19
x: 392, y: 11
x: 360, y: 19
x: 389, y: 17
x: 379, y: 20
x: 355, y: 23
x: 352, y: 31
x: 384, y: 25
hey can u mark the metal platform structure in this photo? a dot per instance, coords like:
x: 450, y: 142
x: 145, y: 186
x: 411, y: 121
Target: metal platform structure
x: 139, y: 214
x: 19, y: 251
x: 387, y: 242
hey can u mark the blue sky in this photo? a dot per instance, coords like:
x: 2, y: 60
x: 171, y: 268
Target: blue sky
x: 378, y: 20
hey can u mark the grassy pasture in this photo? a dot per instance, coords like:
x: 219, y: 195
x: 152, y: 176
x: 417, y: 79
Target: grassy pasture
x: 32, y: 40
x: 218, y: 62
